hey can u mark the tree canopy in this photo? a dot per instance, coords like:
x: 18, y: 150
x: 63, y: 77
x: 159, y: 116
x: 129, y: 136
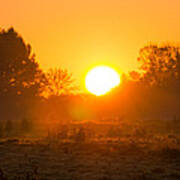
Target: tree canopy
x: 20, y: 74
x: 161, y: 65
x: 59, y: 82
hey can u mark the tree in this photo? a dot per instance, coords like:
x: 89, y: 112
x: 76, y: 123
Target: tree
x: 60, y: 82
x: 20, y: 74
x: 161, y: 65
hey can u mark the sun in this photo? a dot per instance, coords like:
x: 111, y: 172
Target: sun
x: 101, y: 80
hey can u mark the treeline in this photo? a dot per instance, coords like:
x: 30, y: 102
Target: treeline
x: 152, y: 91
x: 24, y: 86
x: 31, y: 99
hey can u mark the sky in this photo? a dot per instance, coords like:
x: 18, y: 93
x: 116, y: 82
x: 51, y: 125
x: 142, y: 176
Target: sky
x: 80, y: 34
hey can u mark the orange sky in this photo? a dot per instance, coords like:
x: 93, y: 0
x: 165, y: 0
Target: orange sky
x: 78, y: 34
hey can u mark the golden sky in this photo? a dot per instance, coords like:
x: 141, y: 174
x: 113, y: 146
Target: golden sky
x: 78, y: 34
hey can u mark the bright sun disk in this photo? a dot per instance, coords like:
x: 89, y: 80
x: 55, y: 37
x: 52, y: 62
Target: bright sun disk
x: 101, y: 80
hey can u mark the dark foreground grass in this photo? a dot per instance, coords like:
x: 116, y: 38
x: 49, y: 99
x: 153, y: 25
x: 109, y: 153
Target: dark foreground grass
x: 105, y: 159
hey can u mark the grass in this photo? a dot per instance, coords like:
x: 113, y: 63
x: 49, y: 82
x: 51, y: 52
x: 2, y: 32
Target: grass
x: 132, y: 150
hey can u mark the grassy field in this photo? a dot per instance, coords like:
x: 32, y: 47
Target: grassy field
x: 140, y: 155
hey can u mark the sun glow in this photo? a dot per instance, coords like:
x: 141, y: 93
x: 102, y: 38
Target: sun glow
x: 101, y: 80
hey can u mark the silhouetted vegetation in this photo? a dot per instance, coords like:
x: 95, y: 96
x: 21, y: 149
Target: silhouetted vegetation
x: 21, y: 78
x: 60, y: 82
x: 20, y: 74
x: 139, y: 118
x: 28, y: 94
x: 161, y: 66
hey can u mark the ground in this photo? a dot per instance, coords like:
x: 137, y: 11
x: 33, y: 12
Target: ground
x: 110, y: 159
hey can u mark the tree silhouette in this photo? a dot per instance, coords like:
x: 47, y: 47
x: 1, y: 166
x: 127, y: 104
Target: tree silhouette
x: 19, y: 72
x: 161, y: 65
x: 60, y: 82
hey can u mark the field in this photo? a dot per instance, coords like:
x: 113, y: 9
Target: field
x: 136, y: 156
